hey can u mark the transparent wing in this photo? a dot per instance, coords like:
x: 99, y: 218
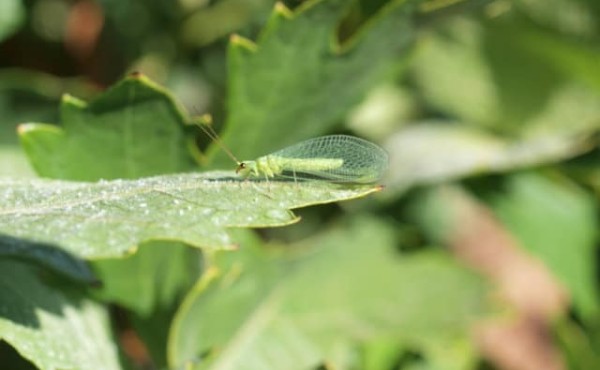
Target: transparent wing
x: 362, y: 161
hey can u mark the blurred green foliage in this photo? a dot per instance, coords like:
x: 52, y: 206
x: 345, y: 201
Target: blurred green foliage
x: 490, y: 110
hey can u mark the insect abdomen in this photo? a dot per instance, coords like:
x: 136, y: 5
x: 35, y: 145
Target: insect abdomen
x: 280, y: 164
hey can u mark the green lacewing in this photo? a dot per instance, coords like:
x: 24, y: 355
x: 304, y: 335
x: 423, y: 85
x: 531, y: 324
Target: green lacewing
x: 335, y: 158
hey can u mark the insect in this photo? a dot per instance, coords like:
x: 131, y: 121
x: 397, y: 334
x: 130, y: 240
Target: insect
x: 335, y: 158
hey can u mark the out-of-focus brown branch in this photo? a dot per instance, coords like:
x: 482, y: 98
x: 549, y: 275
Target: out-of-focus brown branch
x: 84, y: 26
x: 523, y: 340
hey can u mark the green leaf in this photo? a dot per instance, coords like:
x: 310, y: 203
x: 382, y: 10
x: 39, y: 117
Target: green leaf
x: 12, y: 16
x: 570, y: 18
x: 436, y: 152
x: 257, y: 310
x: 580, y: 347
x: 509, y: 75
x: 154, y: 276
x: 47, y: 256
x: 110, y: 218
x: 534, y: 88
x: 134, y: 129
x: 13, y: 163
x: 455, y: 354
x: 298, y: 81
x: 453, y: 76
x: 380, y: 354
x: 210, y: 23
x: 572, y: 58
x: 54, y: 329
x: 14, y: 108
x: 151, y: 283
x: 558, y: 223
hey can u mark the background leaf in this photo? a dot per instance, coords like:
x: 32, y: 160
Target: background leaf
x: 133, y: 130
x: 11, y: 18
x: 314, y: 83
x: 557, y: 223
x: 45, y: 324
x: 351, y: 286
x: 434, y: 152
x: 135, y: 288
x: 483, y: 75
x: 47, y: 256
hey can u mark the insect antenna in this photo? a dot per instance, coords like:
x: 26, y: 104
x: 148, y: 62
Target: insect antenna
x: 205, y: 123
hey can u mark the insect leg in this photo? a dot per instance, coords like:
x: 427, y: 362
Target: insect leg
x: 268, y: 182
